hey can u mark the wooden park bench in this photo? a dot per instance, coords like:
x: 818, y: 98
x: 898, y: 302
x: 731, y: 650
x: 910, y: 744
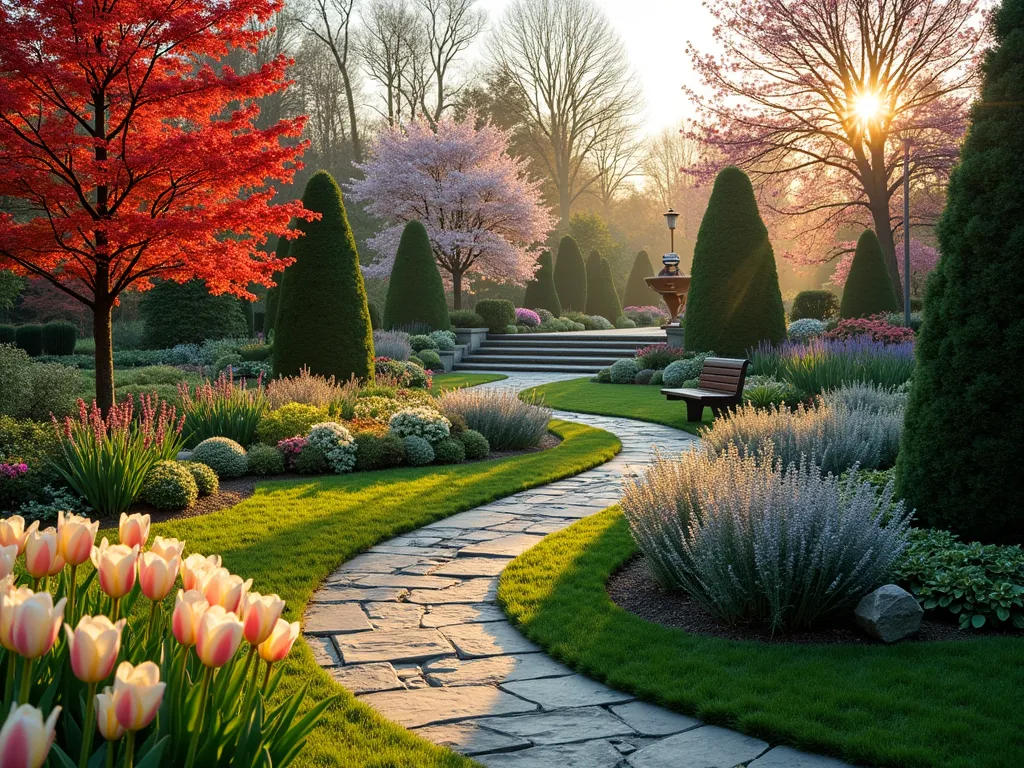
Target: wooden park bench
x: 720, y: 387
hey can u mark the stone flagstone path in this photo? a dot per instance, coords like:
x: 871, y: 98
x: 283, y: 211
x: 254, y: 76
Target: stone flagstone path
x: 412, y: 627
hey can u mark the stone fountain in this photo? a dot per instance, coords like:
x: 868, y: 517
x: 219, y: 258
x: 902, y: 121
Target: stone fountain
x: 672, y: 285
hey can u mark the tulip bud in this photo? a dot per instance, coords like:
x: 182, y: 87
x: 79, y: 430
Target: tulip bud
x: 195, y: 569
x: 133, y: 530
x: 94, y: 645
x: 157, y: 576
x: 25, y: 740
x: 137, y: 694
x: 12, y: 531
x: 10, y: 598
x: 8, y: 555
x: 225, y: 589
x: 41, y: 552
x: 220, y: 633
x: 36, y: 624
x: 280, y: 642
x: 116, y: 567
x: 168, y: 549
x: 259, y: 615
x: 106, y: 717
x: 76, y: 535
x: 189, y: 608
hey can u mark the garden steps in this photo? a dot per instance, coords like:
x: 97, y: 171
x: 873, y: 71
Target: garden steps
x: 444, y: 660
x: 583, y: 353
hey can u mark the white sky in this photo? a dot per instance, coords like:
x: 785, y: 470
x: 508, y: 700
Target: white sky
x: 655, y: 33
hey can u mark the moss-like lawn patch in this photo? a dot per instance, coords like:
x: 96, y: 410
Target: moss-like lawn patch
x: 634, y: 401
x: 953, y: 704
x: 292, y: 534
x: 445, y: 381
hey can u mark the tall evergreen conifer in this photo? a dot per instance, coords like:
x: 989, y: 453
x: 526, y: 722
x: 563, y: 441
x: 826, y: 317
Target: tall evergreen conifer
x: 415, y: 290
x: 593, y: 283
x: 958, y: 465
x: 607, y: 305
x: 868, y: 290
x: 274, y: 291
x: 571, y: 276
x: 540, y: 291
x: 638, y: 293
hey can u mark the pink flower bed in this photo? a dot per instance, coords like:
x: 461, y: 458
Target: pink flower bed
x: 527, y: 317
x: 875, y: 327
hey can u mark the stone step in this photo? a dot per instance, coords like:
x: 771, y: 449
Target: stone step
x: 593, y: 349
x: 581, y: 338
x: 569, y: 357
x: 582, y: 370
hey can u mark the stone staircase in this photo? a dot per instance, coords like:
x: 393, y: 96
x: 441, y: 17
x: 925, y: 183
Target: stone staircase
x: 583, y: 353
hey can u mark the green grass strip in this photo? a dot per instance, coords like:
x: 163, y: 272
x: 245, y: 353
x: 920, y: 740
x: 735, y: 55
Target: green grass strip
x: 634, y: 401
x: 292, y: 534
x: 445, y: 381
x: 951, y: 704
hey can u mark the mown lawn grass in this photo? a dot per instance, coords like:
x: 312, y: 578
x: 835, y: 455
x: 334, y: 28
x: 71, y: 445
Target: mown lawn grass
x: 292, y: 534
x: 445, y: 381
x: 947, y: 705
x: 634, y: 401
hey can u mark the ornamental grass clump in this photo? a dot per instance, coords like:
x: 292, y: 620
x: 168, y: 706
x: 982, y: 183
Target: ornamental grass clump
x: 752, y: 541
x: 105, y: 460
x: 319, y: 391
x: 820, y: 365
x: 223, y: 408
x: 508, y: 423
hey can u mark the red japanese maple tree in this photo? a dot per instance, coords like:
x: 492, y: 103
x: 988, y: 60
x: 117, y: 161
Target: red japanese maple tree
x: 129, y: 152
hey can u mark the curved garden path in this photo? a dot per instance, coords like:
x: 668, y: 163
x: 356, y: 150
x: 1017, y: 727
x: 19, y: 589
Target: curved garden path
x: 412, y: 627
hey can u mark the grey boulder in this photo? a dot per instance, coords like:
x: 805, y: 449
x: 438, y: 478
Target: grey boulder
x: 889, y: 614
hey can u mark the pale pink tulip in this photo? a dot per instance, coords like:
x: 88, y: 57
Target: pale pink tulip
x: 36, y: 624
x: 137, y: 694
x: 133, y: 530
x: 76, y: 535
x: 116, y: 567
x: 259, y: 615
x: 157, y: 576
x: 280, y: 642
x: 25, y: 740
x: 189, y: 608
x: 8, y: 555
x: 94, y: 645
x: 13, y: 531
x: 41, y: 552
x: 168, y: 549
x: 225, y: 589
x: 220, y: 633
x: 195, y: 569
x: 106, y: 717
x: 10, y: 598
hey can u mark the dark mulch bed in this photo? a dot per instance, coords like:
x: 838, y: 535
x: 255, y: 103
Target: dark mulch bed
x: 634, y: 589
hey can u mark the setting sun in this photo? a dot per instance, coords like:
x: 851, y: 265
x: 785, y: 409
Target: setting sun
x: 867, y: 106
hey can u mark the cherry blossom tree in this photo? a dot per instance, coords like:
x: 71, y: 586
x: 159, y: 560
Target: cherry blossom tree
x: 814, y: 97
x: 481, y: 211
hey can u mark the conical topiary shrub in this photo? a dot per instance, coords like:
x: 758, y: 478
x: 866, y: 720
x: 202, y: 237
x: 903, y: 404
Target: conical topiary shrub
x: 571, y: 276
x: 593, y: 283
x: 540, y: 291
x: 868, y: 289
x: 415, y: 291
x: 734, y: 301
x: 274, y: 291
x: 638, y: 294
x: 322, y: 319
x: 958, y: 465
x: 607, y: 305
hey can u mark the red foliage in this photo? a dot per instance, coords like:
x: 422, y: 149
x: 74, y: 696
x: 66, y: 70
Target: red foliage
x: 876, y: 327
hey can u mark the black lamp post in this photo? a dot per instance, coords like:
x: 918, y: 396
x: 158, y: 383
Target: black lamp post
x: 906, y: 232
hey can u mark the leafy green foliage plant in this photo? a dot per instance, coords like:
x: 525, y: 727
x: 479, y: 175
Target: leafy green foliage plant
x: 207, y: 482
x: 638, y: 293
x: 187, y: 313
x: 497, y: 314
x: 223, y: 408
x: 223, y: 455
x: 814, y: 305
x: 59, y: 338
x: 290, y: 420
x: 475, y: 444
x: 169, y: 486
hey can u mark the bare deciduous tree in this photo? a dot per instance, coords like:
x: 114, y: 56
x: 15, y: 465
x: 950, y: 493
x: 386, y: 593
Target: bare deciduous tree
x: 572, y: 78
x: 392, y: 49
x: 617, y: 156
x: 451, y: 27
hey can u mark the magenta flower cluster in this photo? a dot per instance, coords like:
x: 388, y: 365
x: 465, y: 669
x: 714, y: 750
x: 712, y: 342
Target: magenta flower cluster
x: 527, y: 317
x: 12, y: 471
x: 875, y: 328
x: 291, y: 448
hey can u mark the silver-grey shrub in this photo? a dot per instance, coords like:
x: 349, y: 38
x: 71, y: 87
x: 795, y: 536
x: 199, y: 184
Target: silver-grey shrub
x: 868, y: 396
x: 498, y: 414
x: 835, y: 435
x: 392, y: 344
x: 751, y: 541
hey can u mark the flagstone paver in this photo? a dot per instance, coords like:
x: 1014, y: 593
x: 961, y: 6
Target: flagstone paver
x: 412, y: 627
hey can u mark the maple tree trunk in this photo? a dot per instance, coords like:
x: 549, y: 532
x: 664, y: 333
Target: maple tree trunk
x: 103, y: 301
x: 101, y: 327
x: 883, y: 228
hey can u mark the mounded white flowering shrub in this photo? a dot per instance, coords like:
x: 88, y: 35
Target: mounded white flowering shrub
x: 336, y: 443
x: 752, y: 541
x: 680, y: 371
x: 805, y: 329
x: 420, y: 422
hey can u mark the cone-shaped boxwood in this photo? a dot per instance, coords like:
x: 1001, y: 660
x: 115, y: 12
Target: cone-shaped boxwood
x: 415, y: 291
x: 571, y: 276
x: 540, y: 291
x: 274, y: 292
x: 322, y: 319
x: 971, y: 346
x: 593, y: 282
x: 734, y: 301
x: 868, y: 290
x: 638, y: 294
x: 606, y: 303
x: 187, y: 313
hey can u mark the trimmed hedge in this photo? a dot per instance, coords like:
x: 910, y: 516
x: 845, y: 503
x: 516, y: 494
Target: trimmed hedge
x: 606, y: 304
x: 638, y: 293
x: 466, y: 318
x: 734, y: 301
x: 868, y: 290
x: 30, y: 339
x: 570, y: 276
x: 187, y: 313
x: 540, y: 291
x: 816, y: 305
x: 323, y: 321
x: 497, y: 314
x: 59, y: 338
x: 958, y: 465
x: 8, y: 334
x: 415, y: 290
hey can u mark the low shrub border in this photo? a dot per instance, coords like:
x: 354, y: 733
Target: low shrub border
x: 914, y: 704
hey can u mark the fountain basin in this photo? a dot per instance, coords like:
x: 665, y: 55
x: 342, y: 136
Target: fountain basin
x: 673, y: 290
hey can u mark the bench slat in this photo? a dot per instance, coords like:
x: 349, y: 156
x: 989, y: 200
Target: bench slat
x: 724, y: 362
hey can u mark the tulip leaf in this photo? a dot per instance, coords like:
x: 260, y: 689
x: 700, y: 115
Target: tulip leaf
x: 63, y: 759
x: 154, y: 755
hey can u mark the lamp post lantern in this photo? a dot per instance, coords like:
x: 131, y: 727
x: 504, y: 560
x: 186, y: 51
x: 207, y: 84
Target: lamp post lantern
x: 670, y: 218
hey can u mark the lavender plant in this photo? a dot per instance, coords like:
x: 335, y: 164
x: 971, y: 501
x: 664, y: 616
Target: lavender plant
x: 392, y: 344
x: 820, y: 365
x: 507, y: 422
x: 753, y: 541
